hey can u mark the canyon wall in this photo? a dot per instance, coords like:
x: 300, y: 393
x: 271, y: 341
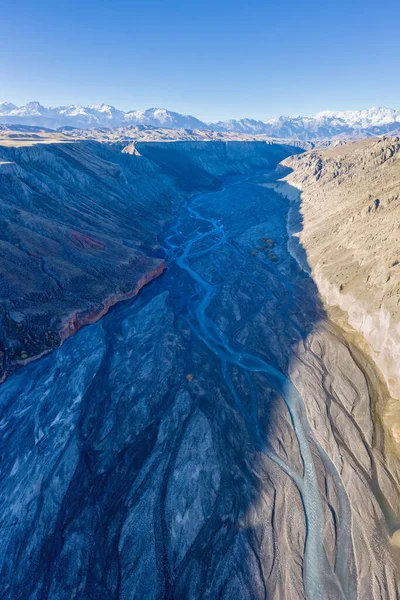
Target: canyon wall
x: 217, y: 158
x: 79, y: 224
x: 350, y: 230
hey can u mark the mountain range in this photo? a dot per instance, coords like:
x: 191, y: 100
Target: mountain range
x: 350, y: 124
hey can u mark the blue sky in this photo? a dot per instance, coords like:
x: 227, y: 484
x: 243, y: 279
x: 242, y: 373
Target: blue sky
x: 214, y: 59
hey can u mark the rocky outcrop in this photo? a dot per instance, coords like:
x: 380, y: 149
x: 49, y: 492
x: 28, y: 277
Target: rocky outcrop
x: 76, y: 321
x: 350, y: 207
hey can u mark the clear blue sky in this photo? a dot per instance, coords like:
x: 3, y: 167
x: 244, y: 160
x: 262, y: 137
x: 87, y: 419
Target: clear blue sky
x: 214, y: 59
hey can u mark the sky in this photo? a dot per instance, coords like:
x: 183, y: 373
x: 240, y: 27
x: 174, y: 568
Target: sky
x: 213, y: 59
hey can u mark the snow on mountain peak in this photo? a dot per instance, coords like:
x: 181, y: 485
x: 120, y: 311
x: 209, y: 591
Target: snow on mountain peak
x: 6, y: 107
x: 346, y: 124
x: 30, y: 109
x: 374, y: 116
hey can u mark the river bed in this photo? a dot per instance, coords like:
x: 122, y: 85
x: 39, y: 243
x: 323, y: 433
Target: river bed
x: 212, y: 438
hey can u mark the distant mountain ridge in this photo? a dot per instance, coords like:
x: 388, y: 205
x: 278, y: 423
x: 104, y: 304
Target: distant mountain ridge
x: 94, y: 115
x: 350, y: 124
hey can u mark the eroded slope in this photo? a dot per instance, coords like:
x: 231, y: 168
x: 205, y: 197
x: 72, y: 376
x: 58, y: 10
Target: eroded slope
x: 350, y: 207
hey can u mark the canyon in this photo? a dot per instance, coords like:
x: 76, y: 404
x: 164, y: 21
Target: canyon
x: 208, y: 427
x: 79, y: 227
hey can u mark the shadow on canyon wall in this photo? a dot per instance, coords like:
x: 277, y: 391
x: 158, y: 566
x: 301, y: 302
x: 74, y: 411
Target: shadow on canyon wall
x: 162, y: 452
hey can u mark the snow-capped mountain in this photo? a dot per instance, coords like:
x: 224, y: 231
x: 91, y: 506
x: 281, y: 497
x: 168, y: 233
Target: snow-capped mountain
x: 371, y: 117
x: 326, y: 124
x: 240, y: 126
x: 96, y: 115
x: 160, y: 117
x: 93, y: 114
x: 6, y: 107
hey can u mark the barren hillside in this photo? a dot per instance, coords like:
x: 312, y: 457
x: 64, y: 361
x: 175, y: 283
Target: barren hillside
x: 350, y: 206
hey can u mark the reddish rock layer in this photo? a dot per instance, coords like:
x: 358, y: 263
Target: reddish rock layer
x: 85, y: 241
x: 77, y: 320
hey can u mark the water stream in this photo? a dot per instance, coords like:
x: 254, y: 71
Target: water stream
x: 179, y: 252
x: 135, y: 452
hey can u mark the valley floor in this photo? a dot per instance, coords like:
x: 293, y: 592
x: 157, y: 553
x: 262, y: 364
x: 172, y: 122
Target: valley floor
x: 215, y: 438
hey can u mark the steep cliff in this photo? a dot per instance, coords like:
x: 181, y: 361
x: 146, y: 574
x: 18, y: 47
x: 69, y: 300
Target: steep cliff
x: 350, y: 206
x: 219, y: 158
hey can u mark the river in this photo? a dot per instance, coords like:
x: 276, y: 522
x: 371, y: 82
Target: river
x: 169, y: 450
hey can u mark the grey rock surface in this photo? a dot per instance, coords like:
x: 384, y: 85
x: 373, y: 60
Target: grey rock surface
x: 213, y: 438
